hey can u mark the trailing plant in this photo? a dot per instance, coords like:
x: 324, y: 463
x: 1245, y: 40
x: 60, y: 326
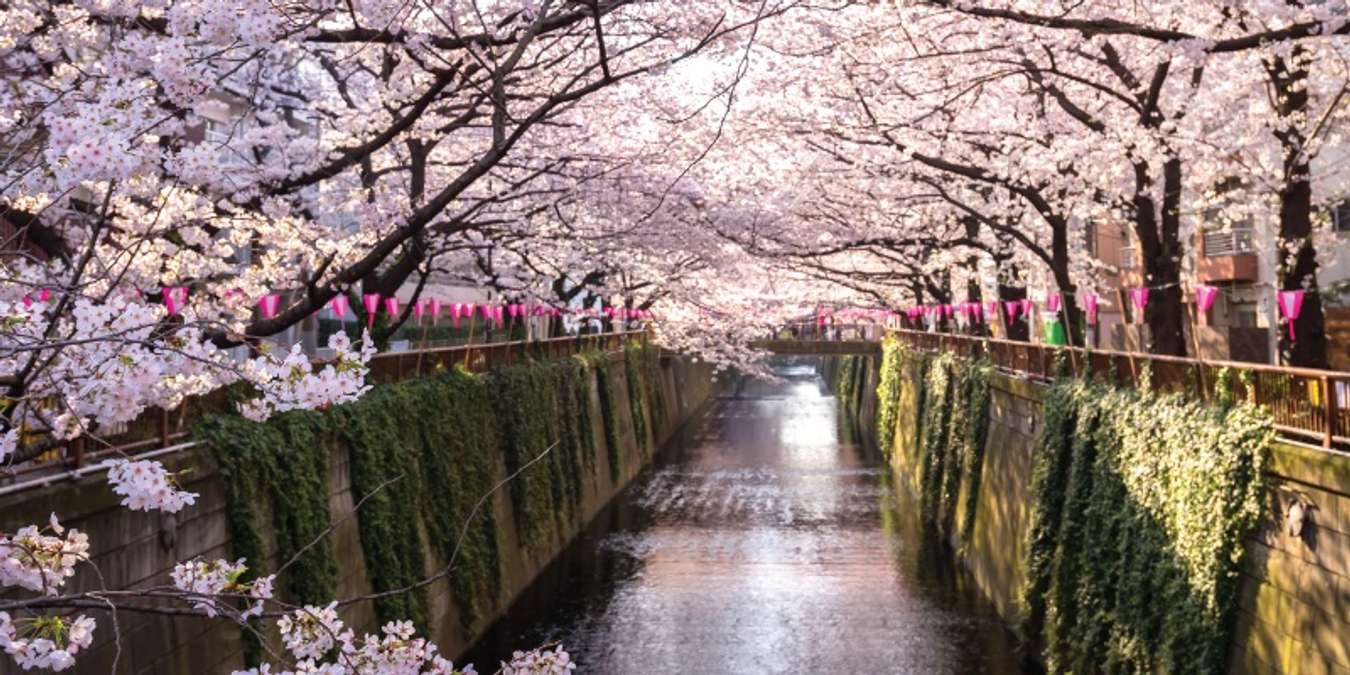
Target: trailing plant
x: 529, y: 414
x: 976, y: 435
x: 285, y: 463
x: 893, y: 354
x: 608, y: 416
x: 1140, y: 505
x: 937, y: 409
x: 422, y: 453
x: 952, y: 416
x: 637, y: 394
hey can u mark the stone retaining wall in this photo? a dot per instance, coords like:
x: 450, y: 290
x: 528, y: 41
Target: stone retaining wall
x: 133, y: 549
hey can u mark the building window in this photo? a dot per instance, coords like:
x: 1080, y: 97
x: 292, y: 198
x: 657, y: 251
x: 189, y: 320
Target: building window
x: 1340, y: 216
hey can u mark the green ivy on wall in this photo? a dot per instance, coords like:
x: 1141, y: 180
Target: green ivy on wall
x: 888, y: 392
x: 422, y: 453
x: 285, y: 463
x: 633, y: 366
x: 953, y: 429
x: 608, y: 416
x: 1140, y: 506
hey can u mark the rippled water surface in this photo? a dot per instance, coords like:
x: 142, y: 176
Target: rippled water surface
x: 762, y: 541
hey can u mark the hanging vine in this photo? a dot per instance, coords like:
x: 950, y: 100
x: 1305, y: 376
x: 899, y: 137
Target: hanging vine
x: 422, y: 453
x: 1140, y: 506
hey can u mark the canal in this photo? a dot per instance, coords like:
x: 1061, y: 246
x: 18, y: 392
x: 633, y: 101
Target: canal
x: 762, y: 540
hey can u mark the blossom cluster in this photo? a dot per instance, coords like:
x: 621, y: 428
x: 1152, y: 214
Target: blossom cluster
x: 321, y: 643
x: 45, y: 642
x: 145, y: 485
x: 293, y: 384
x: 208, y: 581
x: 539, y: 662
x: 41, y: 562
x: 37, y: 561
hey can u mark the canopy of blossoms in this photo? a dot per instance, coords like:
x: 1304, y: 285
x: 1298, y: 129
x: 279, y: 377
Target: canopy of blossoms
x: 185, y: 181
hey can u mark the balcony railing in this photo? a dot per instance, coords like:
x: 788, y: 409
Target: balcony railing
x: 1221, y: 243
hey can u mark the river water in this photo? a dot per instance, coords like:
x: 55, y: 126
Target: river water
x: 762, y: 540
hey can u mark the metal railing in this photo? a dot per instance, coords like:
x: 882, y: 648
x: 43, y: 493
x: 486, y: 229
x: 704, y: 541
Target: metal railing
x: 1306, y: 404
x: 1221, y: 243
x: 157, y: 428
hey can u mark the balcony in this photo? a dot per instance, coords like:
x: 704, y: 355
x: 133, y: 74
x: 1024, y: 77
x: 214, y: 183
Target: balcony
x: 1227, y: 255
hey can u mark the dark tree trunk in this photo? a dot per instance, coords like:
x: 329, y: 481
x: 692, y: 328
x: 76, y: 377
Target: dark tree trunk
x: 1296, y: 254
x: 1158, y: 230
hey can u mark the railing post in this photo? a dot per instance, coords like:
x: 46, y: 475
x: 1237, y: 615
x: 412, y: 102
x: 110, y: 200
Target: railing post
x: 1329, y: 396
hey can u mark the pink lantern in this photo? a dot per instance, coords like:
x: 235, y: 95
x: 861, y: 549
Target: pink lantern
x: 44, y: 295
x: 339, y: 306
x: 372, y: 304
x: 1012, y: 306
x: 1052, y: 302
x: 419, y: 308
x: 435, y: 304
x: 1090, y: 302
x: 497, y: 315
x: 1139, y: 296
x: 391, y: 306
x: 1291, y: 305
x: 268, y: 305
x: 1204, y: 297
x: 175, y: 297
x: 1028, y: 307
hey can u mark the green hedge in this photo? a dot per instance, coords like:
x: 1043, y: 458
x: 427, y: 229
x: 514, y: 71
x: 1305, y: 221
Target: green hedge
x: 1140, y: 506
x: 422, y: 453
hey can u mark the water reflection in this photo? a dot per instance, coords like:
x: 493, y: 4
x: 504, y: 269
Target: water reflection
x: 759, y: 543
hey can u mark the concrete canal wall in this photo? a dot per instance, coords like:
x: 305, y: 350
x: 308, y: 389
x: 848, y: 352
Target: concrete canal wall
x: 1293, y: 597
x: 136, y: 550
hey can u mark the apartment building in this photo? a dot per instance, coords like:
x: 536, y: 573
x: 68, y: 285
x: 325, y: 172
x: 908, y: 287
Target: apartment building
x: 1241, y: 261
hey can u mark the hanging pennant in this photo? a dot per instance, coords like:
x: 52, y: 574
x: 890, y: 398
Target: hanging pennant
x: 1090, y: 303
x: 1139, y: 296
x: 268, y: 305
x: 419, y: 308
x: 1291, y: 305
x: 1028, y: 308
x: 1204, y: 297
x: 1012, y: 306
x: 391, y: 306
x: 1052, y: 302
x: 372, y: 304
x: 175, y: 297
x: 435, y: 304
x: 339, y: 306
